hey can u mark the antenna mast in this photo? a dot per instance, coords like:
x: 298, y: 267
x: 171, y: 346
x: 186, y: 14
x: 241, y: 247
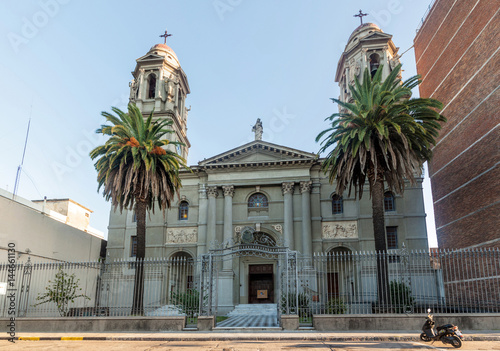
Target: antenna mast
x: 18, y: 175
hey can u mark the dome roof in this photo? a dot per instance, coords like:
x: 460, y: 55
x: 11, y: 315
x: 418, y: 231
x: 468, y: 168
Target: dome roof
x: 365, y: 27
x: 361, y: 32
x: 162, y: 49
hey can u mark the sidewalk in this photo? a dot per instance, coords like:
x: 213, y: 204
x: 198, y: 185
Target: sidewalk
x: 251, y: 335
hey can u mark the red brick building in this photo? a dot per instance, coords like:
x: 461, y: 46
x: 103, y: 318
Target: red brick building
x: 457, y: 55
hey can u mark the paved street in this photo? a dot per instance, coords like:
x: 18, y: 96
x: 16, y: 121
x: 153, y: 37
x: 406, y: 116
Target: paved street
x: 191, y: 345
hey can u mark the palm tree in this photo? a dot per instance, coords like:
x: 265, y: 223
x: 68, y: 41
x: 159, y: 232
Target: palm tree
x: 384, y: 136
x: 137, y: 171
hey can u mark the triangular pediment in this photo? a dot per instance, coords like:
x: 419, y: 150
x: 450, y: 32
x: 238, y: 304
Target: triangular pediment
x: 150, y: 57
x: 259, y: 153
x: 377, y: 36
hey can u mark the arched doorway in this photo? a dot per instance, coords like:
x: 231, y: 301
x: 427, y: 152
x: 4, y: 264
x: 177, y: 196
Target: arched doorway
x: 180, y: 272
x: 338, y: 279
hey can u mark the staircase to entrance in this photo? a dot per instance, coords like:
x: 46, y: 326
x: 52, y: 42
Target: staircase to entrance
x: 262, y: 315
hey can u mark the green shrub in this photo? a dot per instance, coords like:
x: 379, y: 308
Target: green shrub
x: 401, y: 298
x: 291, y: 298
x: 336, y: 305
x: 62, y: 291
x: 187, y: 302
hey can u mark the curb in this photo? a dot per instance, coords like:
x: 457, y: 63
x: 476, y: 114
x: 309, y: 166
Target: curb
x: 241, y: 338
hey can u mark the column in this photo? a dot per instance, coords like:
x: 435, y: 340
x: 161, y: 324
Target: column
x: 305, y: 190
x: 202, y: 219
x: 212, y: 193
x: 287, y: 189
x: 228, y: 220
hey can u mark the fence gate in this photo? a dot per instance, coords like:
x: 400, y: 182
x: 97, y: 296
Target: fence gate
x: 219, y: 260
x: 24, y: 294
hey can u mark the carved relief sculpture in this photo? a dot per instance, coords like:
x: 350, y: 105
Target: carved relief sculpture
x: 278, y: 228
x: 340, y: 230
x: 182, y: 236
x: 134, y: 87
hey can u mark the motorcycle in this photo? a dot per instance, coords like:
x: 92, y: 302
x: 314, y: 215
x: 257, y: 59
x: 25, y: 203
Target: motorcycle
x: 447, y: 334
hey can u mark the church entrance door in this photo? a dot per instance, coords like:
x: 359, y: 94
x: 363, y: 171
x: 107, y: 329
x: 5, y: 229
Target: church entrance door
x: 260, y: 283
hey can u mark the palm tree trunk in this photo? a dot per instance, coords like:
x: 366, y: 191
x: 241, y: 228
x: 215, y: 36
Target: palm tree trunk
x: 380, y: 242
x: 138, y: 300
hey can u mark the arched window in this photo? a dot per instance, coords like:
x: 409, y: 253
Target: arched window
x: 374, y: 63
x: 337, y: 204
x: 389, y: 203
x: 262, y: 238
x: 258, y: 200
x: 183, y: 211
x: 151, y: 86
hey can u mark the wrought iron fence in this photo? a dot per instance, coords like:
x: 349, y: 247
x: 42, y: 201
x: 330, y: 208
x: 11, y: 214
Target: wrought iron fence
x: 345, y: 282
x: 339, y: 282
x: 102, y: 289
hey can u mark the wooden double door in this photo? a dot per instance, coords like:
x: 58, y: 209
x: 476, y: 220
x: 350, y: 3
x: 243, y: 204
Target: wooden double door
x: 260, y: 283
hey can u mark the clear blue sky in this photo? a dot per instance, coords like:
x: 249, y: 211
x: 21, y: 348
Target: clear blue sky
x: 245, y: 59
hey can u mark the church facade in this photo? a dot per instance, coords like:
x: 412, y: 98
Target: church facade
x: 261, y: 192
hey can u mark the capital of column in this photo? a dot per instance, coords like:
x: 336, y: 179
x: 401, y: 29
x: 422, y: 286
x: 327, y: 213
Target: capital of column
x: 228, y: 190
x: 212, y: 191
x: 305, y: 187
x: 287, y: 187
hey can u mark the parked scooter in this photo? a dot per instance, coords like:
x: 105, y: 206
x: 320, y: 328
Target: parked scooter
x: 448, y: 333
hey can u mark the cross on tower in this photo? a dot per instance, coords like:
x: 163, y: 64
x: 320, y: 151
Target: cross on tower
x: 166, y: 35
x: 360, y: 15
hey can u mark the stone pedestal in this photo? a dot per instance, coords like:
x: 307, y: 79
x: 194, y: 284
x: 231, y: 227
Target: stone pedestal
x: 225, y: 303
x: 206, y: 323
x: 290, y: 322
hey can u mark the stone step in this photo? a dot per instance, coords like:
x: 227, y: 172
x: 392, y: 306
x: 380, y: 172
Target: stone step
x: 254, y: 310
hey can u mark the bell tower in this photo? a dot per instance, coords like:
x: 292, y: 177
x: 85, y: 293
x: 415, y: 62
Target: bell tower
x: 368, y: 46
x: 161, y: 85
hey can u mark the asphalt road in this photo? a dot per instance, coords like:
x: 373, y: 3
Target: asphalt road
x: 239, y: 345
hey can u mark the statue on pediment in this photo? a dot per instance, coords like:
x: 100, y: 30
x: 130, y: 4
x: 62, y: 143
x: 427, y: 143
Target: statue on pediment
x: 258, y: 129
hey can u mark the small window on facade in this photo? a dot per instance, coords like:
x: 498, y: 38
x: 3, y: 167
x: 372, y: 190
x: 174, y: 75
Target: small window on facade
x: 133, y: 246
x: 258, y: 201
x: 337, y: 204
x: 151, y: 86
x: 183, y: 211
x: 392, y: 237
x: 389, y: 202
x: 134, y: 217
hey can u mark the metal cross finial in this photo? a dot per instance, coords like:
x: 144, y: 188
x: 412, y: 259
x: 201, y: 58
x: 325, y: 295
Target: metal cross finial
x: 360, y: 15
x: 166, y: 35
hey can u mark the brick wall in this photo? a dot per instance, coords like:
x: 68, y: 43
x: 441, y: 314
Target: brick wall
x: 457, y: 54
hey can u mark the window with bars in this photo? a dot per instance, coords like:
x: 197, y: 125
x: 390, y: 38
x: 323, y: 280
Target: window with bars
x: 183, y: 211
x: 337, y: 204
x: 133, y: 246
x: 258, y: 200
x: 389, y: 202
x: 392, y: 237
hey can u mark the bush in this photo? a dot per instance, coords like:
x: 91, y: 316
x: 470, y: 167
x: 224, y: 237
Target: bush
x: 188, y: 302
x: 62, y: 291
x: 291, y: 298
x: 336, y: 305
x: 401, y: 298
